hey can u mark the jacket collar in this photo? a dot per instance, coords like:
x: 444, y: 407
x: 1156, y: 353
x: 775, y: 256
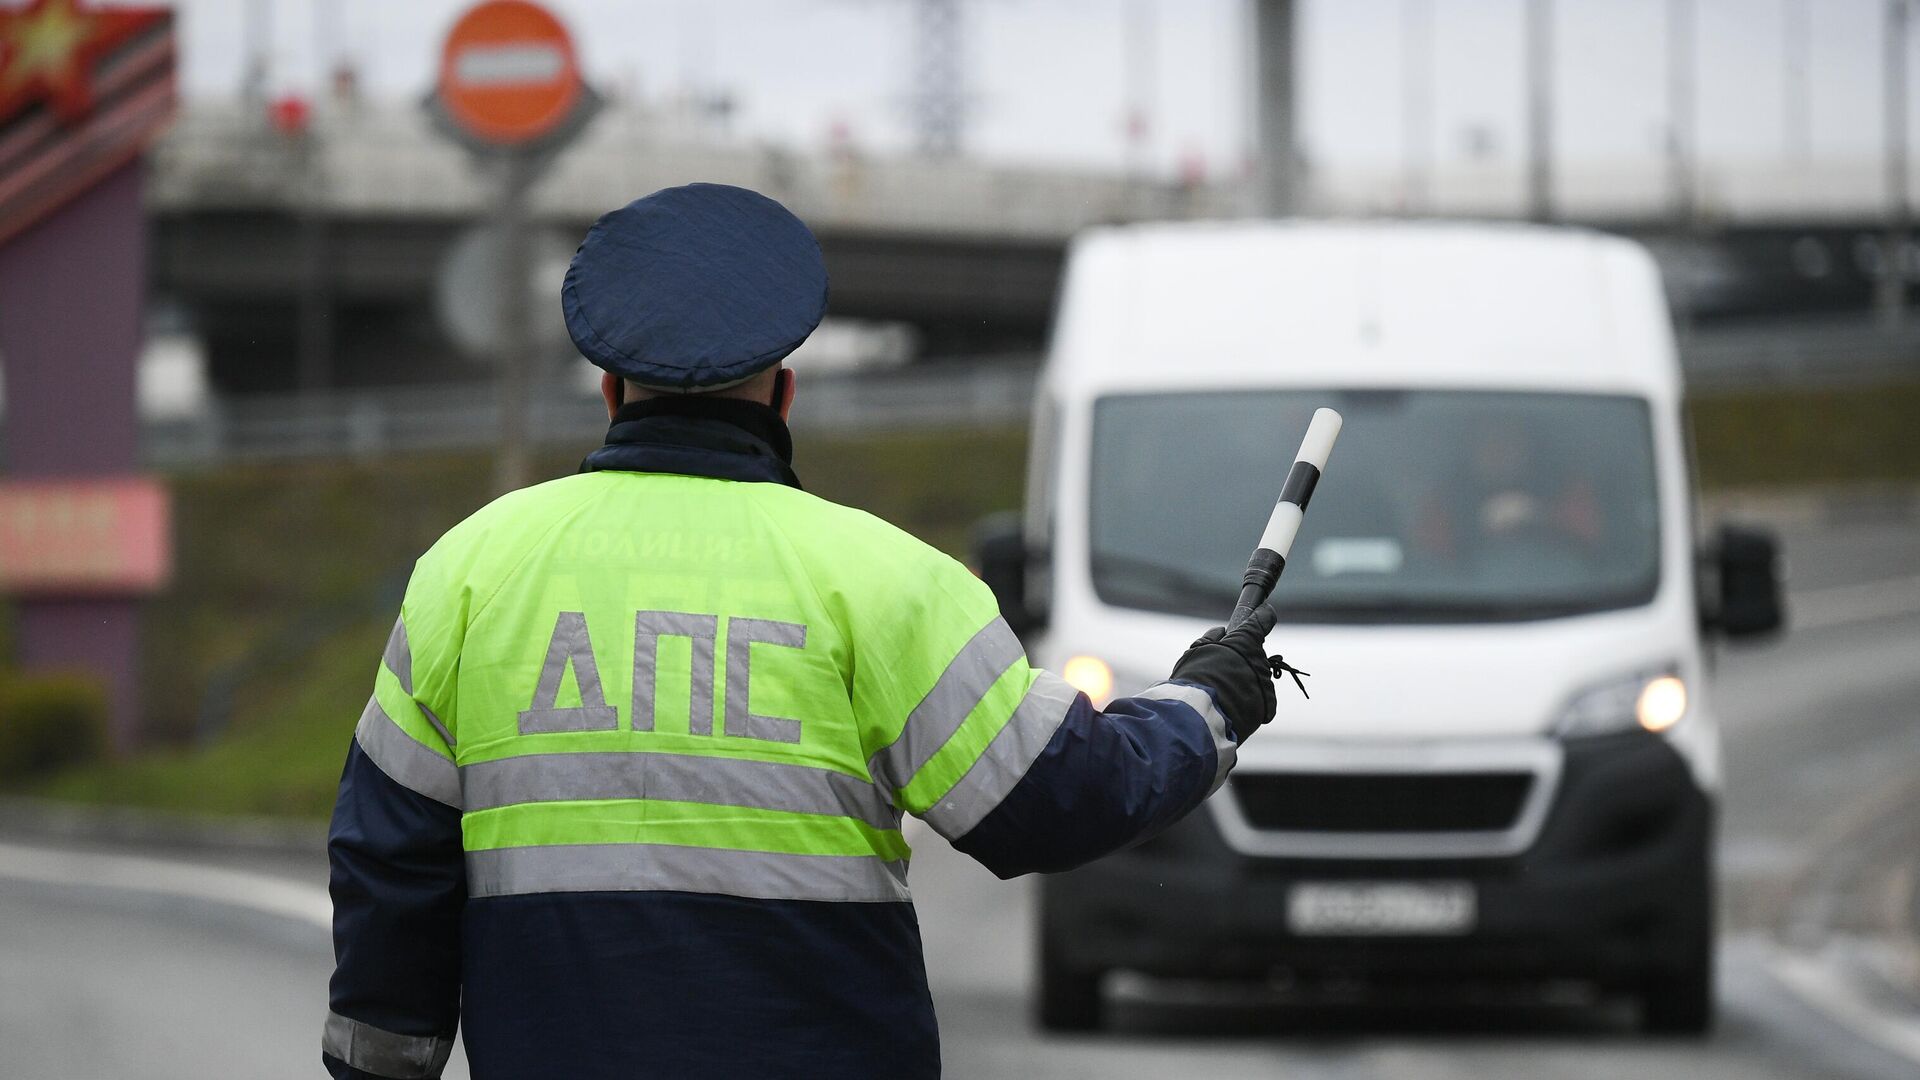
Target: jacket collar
x: 722, y: 438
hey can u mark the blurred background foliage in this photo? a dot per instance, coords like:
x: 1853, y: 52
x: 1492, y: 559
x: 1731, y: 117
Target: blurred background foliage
x: 51, y: 721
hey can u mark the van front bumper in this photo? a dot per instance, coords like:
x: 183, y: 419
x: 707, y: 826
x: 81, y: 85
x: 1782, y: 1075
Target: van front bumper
x: 1616, y: 883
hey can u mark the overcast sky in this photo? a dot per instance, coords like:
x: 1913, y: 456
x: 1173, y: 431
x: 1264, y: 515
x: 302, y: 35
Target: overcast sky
x: 1050, y: 80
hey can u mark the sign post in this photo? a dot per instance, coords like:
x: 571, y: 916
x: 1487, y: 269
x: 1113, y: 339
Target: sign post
x: 510, y: 91
x: 83, y: 93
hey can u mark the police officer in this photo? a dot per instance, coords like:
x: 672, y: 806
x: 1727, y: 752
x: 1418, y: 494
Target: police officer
x: 627, y: 798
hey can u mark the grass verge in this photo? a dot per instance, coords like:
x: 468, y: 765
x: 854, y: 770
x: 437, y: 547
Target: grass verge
x: 1798, y: 438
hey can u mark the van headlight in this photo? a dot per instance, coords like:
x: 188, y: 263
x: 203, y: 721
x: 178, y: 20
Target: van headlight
x: 1653, y: 700
x: 1101, y: 681
x: 1091, y: 676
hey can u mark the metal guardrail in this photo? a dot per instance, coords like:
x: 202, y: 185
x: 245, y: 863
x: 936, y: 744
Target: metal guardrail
x: 1802, y: 353
x: 962, y: 394
x: 379, y: 423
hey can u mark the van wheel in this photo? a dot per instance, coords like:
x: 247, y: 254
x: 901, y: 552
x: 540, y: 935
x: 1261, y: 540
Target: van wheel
x: 1066, y: 998
x: 1678, y: 1000
x: 1676, y: 997
x: 1678, y: 1003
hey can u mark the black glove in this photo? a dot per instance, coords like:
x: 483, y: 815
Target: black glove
x: 1235, y: 666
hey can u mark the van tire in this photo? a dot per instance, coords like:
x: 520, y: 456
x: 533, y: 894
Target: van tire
x: 1066, y: 998
x: 1678, y: 1000
x: 1678, y: 1003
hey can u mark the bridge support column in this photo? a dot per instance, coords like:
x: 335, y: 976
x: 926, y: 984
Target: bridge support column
x: 1890, y: 298
x: 1277, y: 176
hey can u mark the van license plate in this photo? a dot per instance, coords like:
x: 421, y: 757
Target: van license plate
x: 1359, y: 909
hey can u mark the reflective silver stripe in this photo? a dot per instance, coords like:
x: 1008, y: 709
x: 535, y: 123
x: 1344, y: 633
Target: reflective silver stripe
x: 1006, y: 759
x: 437, y: 724
x: 399, y: 657
x: 972, y: 673
x: 760, y: 875
x: 713, y: 781
x: 405, y: 761
x: 1224, y: 748
x: 384, y: 1053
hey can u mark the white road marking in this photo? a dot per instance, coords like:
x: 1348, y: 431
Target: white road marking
x: 1840, y: 605
x: 1822, y: 988
x: 1833, y: 841
x: 307, y: 904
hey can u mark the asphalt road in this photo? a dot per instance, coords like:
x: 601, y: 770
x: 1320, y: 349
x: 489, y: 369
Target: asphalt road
x: 163, y: 980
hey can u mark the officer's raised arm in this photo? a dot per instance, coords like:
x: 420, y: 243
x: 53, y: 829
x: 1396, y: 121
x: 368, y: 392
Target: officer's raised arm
x: 1018, y: 769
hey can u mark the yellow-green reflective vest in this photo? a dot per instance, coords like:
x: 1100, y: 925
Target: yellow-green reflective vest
x: 639, y: 681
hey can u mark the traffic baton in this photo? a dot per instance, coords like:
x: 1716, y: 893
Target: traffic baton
x: 1270, y: 558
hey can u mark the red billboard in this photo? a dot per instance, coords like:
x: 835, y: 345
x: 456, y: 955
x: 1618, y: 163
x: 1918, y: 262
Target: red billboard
x: 67, y: 537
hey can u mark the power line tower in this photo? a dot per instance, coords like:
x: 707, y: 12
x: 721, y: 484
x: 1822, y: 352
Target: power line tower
x: 938, y: 99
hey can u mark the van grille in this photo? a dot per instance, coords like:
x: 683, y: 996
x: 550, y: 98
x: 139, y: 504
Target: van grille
x: 1382, y: 802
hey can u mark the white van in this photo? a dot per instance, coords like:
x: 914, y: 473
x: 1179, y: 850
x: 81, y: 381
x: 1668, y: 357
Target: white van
x: 1510, y: 763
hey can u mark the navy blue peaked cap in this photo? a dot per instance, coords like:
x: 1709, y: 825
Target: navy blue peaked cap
x: 694, y: 288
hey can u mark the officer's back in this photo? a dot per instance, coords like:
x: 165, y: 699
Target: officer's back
x: 684, y: 650
x: 627, y: 797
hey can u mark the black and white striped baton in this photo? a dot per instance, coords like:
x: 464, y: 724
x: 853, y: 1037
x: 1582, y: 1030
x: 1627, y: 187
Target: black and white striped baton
x: 1270, y: 558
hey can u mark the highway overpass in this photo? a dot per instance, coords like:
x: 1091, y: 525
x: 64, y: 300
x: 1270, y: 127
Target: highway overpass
x: 321, y: 249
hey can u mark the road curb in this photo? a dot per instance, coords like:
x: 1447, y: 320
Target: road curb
x: 62, y: 822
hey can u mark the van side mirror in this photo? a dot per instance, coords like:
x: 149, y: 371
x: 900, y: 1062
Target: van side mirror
x: 1747, y: 601
x: 1001, y: 558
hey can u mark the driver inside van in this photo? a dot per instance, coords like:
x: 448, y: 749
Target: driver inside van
x: 1518, y: 493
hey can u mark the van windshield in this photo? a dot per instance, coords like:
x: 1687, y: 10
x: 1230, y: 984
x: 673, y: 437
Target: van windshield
x: 1438, y: 505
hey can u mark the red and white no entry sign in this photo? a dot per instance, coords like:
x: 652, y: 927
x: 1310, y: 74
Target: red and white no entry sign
x: 508, y: 74
x: 510, y: 91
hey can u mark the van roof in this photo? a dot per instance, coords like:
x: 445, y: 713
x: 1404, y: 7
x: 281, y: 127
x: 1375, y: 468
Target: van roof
x: 1277, y: 303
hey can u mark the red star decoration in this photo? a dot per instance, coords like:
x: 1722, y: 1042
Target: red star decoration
x: 49, y: 48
